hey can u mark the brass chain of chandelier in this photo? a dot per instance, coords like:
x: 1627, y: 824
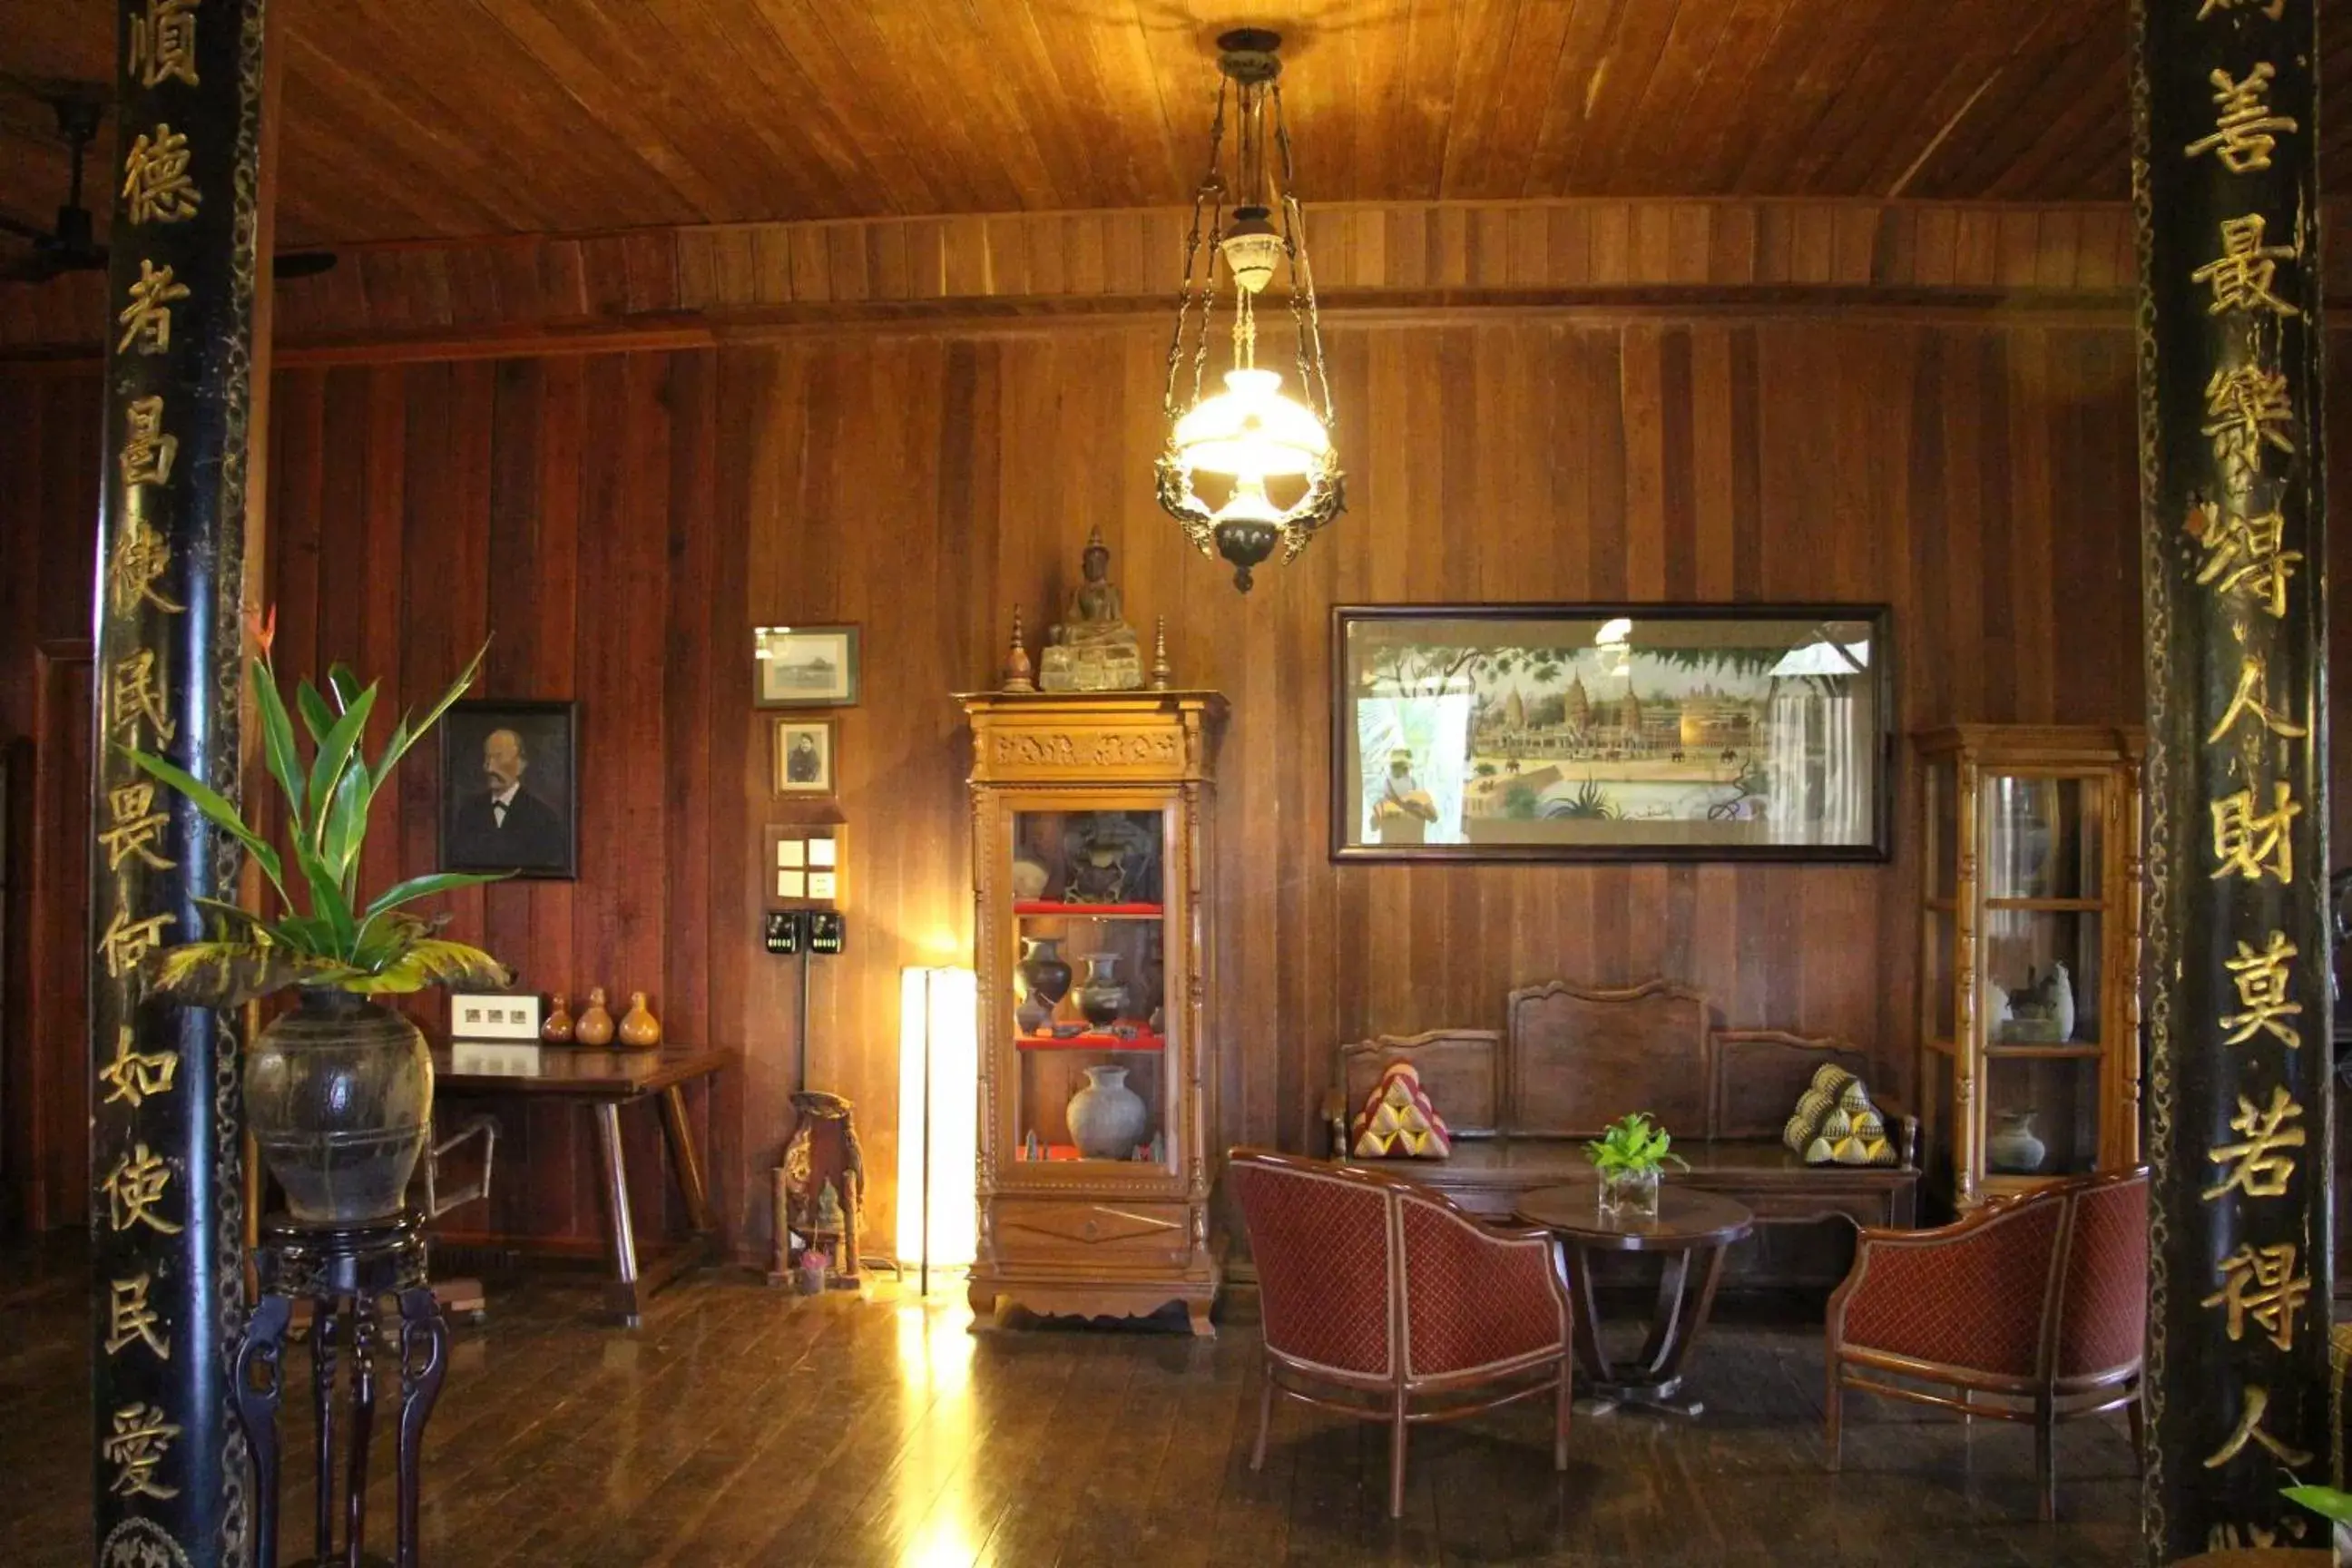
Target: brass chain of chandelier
x: 1251, y: 432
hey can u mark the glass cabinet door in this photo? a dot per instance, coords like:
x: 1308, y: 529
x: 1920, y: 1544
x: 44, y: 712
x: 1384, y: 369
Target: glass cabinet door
x: 2042, y: 935
x: 1086, y: 1012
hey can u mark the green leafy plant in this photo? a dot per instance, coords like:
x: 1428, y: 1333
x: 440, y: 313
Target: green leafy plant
x: 1631, y: 1145
x: 1591, y: 801
x: 327, y: 939
x: 2327, y: 1502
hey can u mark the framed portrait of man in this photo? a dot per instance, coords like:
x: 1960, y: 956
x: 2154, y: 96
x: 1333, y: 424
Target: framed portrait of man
x: 510, y: 788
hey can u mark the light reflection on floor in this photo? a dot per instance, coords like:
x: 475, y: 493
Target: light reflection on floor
x: 935, y: 1354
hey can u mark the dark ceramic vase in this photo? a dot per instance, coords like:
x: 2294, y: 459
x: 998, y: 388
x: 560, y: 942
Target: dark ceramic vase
x: 1044, y: 970
x: 1102, y: 998
x: 338, y: 1096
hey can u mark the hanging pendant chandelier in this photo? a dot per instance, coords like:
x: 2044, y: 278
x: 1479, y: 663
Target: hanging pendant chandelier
x: 1274, y: 475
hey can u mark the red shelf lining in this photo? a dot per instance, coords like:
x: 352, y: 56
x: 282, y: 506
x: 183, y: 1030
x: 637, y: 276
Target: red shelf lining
x: 1070, y: 1152
x: 1090, y: 1043
x: 1085, y: 911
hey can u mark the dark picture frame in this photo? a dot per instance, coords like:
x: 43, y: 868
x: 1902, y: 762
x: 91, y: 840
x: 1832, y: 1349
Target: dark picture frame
x: 1768, y: 733
x: 538, y: 836
x: 804, y: 666
x: 807, y: 758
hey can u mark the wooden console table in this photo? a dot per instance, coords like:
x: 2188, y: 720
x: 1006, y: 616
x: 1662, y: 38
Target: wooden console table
x: 607, y: 1080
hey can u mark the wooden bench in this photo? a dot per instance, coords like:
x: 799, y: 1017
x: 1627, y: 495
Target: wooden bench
x: 1521, y: 1105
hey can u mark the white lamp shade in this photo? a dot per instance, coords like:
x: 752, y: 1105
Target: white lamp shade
x: 939, y: 1115
x: 1252, y: 429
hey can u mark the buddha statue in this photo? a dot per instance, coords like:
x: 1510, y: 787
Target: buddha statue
x: 1094, y: 648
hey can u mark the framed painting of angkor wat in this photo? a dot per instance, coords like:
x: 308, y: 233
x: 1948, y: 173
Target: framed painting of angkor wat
x: 1611, y: 732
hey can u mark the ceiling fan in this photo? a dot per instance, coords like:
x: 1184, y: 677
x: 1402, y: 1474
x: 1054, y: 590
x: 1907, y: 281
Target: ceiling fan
x: 71, y: 245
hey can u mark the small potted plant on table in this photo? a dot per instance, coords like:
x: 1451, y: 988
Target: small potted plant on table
x: 1630, y: 1156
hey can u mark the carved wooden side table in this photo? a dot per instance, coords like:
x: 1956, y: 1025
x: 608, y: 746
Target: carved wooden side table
x: 345, y: 1274
x: 1691, y: 1231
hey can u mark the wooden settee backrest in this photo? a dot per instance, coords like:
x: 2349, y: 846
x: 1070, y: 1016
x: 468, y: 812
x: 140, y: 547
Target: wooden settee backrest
x: 1575, y: 1058
x: 1759, y: 1073
x: 1580, y: 1057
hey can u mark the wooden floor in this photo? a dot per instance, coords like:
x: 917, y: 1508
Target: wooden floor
x: 742, y: 1425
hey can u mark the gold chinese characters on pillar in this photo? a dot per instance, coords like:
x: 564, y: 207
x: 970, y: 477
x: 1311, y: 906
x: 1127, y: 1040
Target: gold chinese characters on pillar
x: 2237, y: 993
x: 168, y: 1462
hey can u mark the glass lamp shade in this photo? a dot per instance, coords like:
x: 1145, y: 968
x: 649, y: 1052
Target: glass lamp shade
x: 1251, y: 430
x: 1252, y: 249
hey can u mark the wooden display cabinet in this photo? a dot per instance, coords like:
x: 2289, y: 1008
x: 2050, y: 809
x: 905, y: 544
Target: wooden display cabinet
x: 2029, y: 953
x: 1091, y: 832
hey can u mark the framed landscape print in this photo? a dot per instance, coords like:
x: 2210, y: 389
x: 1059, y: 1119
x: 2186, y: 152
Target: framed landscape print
x: 510, y: 788
x: 805, y: 667
x: 1611, y: 732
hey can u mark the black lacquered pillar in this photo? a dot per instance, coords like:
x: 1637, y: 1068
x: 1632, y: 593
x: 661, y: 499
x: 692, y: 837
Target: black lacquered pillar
x: 166, y: 1217
x: 2232, y: 553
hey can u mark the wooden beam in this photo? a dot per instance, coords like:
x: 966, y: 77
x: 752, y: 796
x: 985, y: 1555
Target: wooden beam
x: 1462, y: 254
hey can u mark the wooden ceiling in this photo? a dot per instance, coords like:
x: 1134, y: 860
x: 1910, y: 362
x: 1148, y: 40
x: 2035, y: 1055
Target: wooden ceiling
x: 446, y: 118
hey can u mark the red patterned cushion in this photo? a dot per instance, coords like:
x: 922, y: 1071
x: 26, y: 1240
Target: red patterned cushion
x: 1398, y: 1121
x: 1473, y: 1298
x: 2102, y: 1312
x: 1321, y: 1245
x: 1972, y: 1300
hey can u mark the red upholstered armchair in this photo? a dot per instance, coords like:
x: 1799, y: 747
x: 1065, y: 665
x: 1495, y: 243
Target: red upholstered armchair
x: 1373, y: 1285
x: 2032, y: 1308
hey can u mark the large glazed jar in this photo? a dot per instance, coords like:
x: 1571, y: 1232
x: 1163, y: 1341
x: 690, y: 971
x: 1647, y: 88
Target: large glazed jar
x: 338, y: 1096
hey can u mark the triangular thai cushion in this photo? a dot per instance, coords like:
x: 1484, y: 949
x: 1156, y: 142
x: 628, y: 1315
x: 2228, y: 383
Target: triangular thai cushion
x: 1398, y: 1121
x: 1836, y: 1124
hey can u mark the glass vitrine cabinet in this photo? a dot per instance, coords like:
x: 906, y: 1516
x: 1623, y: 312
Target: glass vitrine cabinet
x: 1090, y: 849
x: 2030, y: 943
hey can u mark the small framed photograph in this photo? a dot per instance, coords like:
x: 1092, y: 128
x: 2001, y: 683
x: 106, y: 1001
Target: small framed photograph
x: 492, y: 1016
x: 510, y: 788
x: 805, y: 667
x: 805, y: 755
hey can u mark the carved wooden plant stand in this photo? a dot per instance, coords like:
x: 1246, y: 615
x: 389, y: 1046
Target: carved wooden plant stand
x: 344, y: 1274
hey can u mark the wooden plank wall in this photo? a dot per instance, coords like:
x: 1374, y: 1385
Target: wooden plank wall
x: 48, y: 504
x: 619, y: 522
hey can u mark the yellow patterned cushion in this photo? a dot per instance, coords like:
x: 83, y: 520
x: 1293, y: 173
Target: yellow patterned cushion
x: 1836, y: 1123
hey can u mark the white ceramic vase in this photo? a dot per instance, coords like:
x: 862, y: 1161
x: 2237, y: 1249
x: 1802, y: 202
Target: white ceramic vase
x: 2062, y: 1000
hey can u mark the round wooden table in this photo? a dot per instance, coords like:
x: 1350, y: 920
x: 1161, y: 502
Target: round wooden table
x: 1692, y: 1229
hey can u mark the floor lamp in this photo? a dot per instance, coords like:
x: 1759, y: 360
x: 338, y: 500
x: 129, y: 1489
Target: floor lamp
x: 939, y: 1119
